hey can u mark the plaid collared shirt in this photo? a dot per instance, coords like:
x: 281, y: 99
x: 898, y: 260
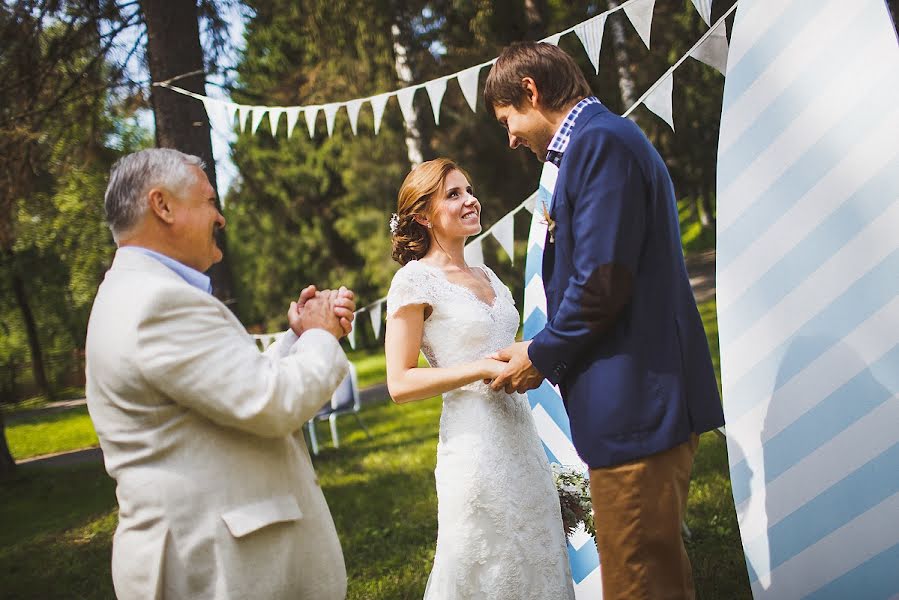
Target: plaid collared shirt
x: 563, y: 135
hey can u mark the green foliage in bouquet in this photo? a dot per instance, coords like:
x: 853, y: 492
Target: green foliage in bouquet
x: 574, y: 499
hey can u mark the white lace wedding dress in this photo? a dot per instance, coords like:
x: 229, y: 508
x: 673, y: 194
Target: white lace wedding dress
x: 499, y: 523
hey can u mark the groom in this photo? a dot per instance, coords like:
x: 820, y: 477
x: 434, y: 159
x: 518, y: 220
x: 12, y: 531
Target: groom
x: 217, y: 495
x: 623, y: 340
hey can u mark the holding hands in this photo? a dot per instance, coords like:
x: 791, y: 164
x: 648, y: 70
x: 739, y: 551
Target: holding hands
x: 331, y: 310
x: 519, y: 375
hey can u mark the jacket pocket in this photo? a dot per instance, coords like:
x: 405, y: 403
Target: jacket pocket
x: 246, y: 519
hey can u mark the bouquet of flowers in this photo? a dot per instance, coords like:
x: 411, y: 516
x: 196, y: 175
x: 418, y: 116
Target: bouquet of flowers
x: 574, y: 498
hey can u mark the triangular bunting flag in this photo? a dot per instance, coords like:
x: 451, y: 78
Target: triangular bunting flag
x: 258, y: 114
x: 713, y: 50
x: 704, y: 8
x: 351, y: 336
x: 468, y: 81
x: 215, y: 113
x: 590, y: 34
x: 352, y: 111
x: 659, y: 100
x: 243, y: 113
x: 293, y: 113
x: 330, y: 115
x: 436, y: 88
x: 374, y: 311
x: 230, y: 112
x: 640, y: 14
x: 311, y: 113
x: 405, y: 97
x: 474, y: 254
x: 504, y: 232
x: 553, y: 39
x: 377, y: 107
x: 274, y: 115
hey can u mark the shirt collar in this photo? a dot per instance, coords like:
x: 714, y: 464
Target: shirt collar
x: 188, y: 274
x: 560, y: 141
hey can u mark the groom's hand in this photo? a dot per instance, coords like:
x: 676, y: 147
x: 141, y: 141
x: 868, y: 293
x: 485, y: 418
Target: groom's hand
x: 295, y: 313
x: 520, y: 374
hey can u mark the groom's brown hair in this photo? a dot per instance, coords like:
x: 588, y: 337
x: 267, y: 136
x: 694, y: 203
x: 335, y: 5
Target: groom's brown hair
x: 558, y: 78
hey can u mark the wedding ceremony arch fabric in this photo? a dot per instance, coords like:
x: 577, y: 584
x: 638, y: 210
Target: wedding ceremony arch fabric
x: 808, y: 295
x: 546, y: 401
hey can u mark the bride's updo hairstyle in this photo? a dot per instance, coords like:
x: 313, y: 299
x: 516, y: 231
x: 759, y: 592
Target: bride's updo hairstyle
x: 411, y: 239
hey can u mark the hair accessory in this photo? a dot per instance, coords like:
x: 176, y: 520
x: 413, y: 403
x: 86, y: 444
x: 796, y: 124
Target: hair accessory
x: 394, y: 223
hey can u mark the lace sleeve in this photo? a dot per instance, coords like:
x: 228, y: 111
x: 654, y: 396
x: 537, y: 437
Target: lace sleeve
x: 410, y: 285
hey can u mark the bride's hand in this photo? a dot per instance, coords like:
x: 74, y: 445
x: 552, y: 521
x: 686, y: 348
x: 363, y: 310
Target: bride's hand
x: 491, y: 368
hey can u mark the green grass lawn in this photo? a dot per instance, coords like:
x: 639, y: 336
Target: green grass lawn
x: 381, y: 493
x: 59, y: 522
x: 50, y: 432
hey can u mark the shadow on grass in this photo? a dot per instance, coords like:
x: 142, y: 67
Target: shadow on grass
x: 57, y: 534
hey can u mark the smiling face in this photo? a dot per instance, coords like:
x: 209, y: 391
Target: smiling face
x: 527, y: 126
x: 455, y: 211
x: 196, y: 219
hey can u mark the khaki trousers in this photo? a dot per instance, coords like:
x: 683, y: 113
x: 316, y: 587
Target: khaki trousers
x: 638, y: 510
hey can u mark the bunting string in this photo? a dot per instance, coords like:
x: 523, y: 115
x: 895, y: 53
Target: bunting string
x: 589, y: 32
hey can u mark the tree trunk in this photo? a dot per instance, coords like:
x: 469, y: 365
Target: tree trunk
x: 533, y: 13
x: 706, y: 214
x: 173, y: 49
x: 34, y: 343
x: 619, y: 45
x: 404, y: 74
x: 7, y: 462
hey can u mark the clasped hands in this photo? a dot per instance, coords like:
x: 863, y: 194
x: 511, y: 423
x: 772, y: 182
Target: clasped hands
x: 331, y: 310
x: 518, y: 374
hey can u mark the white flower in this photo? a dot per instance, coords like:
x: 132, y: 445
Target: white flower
x: 394, y: 223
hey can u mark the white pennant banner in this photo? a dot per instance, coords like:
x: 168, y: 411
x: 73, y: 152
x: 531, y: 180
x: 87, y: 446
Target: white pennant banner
x: 274, y: 115
x: 351, y: 336
x: 504, y: 232
x: 436, y: 89
x: 311, y: 113
x: 553, y: 39
x: 590, y: 34
x: 374, y: 311
x: 330, y: 111
x: 258, y: 115
x: 215, y: 112
x: 352, y: 111
x: 704, y: 8
x: 468, y: 81
x: 405, y: 96
x: 659, y: 100
x: 243, y: 113
x: 377, y: 106
x: 293, y: 113
x: 713, y: 51
x: 474, y: 254
x: 640, y: 14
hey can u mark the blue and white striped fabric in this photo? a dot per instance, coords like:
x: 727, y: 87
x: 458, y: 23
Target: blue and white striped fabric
x: 808, y: 295
x: 546, y: 401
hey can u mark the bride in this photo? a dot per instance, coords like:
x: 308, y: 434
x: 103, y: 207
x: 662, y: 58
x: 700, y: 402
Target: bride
x: 499, y: 523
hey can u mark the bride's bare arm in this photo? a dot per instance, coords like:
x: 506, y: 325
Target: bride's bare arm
x: 406, y: 381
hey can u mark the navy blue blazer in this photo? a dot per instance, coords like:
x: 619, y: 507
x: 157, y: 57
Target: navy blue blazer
x: 623, y: 340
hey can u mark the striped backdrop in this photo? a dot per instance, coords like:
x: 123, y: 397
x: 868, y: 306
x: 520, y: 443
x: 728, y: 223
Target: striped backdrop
x: 546, y: 401
x: 808, y: 295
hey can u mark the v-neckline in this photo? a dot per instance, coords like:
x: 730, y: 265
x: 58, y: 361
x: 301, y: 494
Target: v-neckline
x: 477, y: 298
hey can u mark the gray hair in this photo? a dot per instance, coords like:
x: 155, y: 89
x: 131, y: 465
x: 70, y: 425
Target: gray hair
x: 133, y: 175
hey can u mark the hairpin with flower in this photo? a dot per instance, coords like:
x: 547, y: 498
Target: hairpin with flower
x: 394, y: 223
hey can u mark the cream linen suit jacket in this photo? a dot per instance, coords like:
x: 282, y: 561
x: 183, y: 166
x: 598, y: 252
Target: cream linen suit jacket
x: 202, y: 433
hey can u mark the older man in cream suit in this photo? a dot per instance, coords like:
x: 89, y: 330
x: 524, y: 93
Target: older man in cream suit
x: 202, y: 432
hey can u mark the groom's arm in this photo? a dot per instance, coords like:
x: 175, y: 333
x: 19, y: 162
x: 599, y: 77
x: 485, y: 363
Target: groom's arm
x: 608, y: 215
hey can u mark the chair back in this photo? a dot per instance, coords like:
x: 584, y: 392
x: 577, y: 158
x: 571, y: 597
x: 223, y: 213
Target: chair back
x: 346, y: 396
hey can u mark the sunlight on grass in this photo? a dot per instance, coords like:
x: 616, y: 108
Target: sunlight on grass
x: 48, y: 433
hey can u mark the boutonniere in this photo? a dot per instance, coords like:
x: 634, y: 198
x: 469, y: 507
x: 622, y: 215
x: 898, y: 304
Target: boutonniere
x: 550, y: 224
